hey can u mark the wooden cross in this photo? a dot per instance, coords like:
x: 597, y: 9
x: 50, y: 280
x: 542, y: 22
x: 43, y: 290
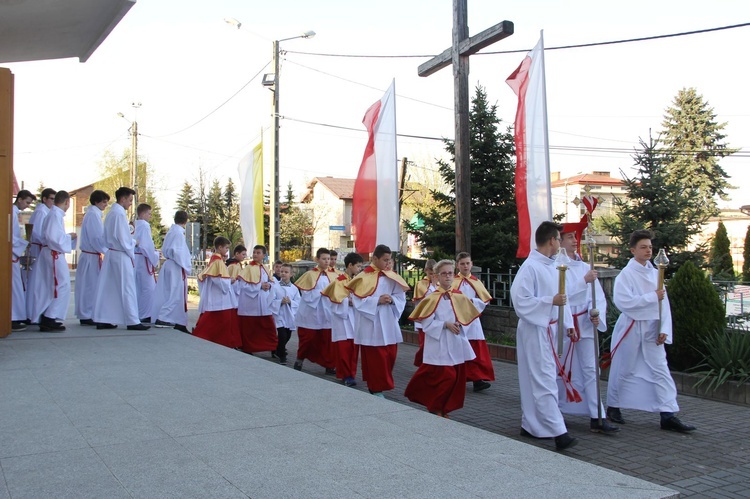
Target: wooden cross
x: 458, y: 56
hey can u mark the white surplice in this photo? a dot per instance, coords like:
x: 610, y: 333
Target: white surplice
x: 377, y: 325
x: 252, y: 300
x: 441, y: 346
x: 89, y: 265
x: 170, y: 296
x: 583, y: 358
x: 314, y: 310
x: 18, y: 298
x: 216, y: 294
x: 431, y: 288
x: 146, y: 261
x: 474, y: 330
x: 283, y: 315
x: 116, y: 301
x: 342, y: 321
x: 639, y: 377
x: 532, y: 292
x: 52, y: 289
x: 37, y: 219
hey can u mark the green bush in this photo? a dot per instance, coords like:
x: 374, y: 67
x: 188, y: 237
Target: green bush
x: 697, y: 310
x: 726, y: 356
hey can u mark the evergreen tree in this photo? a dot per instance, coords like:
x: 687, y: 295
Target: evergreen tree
x: 186, y: 200
x: 158, y: 230
x: 746, y: 257
x: 654, y: 201
x: 214, y: 211
x: 494, y: 225
x: 722, y: 268
x: 229, y: 221
x: 697, y: 310
x: 695, y: 143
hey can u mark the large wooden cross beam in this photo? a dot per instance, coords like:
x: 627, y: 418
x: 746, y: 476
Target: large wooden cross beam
x: 458, y: 56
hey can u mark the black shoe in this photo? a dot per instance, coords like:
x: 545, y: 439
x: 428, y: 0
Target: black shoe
x: 159, y: 323
x: 525, y: 433
x: 180, y: 327
x: 605, y: 427
x: 138, y: 327
x: 104, y: 325
x: 87, y: 322
x: 674, y: 424
x: 282, y: 361
x: 481, y: 385
x: 349, y: 381
x: 51, y: 328
x: 17, y: 326
x: 331, y: 371
x: 565, y: 441
x: 273, y: 355
x: 146, y: 320
x: 298, y: 365
x: 614, y: 415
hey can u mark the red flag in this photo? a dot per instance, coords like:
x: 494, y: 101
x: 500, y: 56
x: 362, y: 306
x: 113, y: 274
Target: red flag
x: 533, y: 194
x: 375, y: 200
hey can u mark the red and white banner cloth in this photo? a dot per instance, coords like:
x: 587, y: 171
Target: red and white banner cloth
x: 375, y: 201
x: 533, y: 197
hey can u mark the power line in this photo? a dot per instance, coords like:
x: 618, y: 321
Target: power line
x: 220, y: 105
x: 523, y: 51
x: 619, y: 150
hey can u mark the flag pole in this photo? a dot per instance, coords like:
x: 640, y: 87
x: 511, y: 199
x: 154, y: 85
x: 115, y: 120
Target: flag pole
x: 546, y: 126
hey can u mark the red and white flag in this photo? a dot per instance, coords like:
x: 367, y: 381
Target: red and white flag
x: 533, y: 195
x: 375, y: 200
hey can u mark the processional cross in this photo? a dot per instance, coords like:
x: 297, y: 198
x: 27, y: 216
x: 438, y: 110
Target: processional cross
x: 458, y: 56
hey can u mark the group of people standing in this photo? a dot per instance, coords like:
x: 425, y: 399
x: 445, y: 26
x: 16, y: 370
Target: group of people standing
x: 344, y: 317
x: 115, y: 281
x: 551, y: 384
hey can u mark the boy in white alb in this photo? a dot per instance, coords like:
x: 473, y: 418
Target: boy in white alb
x: 379, y: 298
x: 52, y: 293
x: 146, y: 262
x: 536, y: 302
x: 256, y: 293
x: 342, y: 320
x: 116, y: 301
x: 218, y: 306
x: 479, y: 371
x: 423, y: 288
x: 93, y: 248
x: 19, y: 314
x: 41, y: 211
x: 440, y: 382
x: 169, y: 307
x: 314, y: 315
x: 284, y: 310
x: 639, y: 376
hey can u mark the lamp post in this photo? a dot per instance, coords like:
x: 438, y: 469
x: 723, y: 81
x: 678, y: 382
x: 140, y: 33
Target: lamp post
x: 272, y: 82
x: 133, y: 153
x: 275, y: 218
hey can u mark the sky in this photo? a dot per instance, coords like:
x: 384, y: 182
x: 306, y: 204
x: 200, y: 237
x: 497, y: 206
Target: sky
x: 180, y: 60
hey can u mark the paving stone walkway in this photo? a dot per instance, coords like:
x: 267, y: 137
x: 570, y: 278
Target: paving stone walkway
x: 714, y: 461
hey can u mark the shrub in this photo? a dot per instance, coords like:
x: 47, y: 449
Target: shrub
x: 726, y: 356
x: 697, y: 310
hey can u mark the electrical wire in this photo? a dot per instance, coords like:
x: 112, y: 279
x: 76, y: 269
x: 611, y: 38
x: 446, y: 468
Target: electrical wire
x: 618, y: 150
x: 523, y: 51
x: 220, y: 105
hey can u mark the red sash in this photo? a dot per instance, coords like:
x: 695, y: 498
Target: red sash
x: 101, y: 256
x: 571, y: 393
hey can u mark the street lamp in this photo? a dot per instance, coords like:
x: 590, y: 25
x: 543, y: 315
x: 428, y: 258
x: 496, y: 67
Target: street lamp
x: 133, y: 152
x: 272, y: 81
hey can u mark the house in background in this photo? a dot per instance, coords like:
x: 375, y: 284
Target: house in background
x: 329, y: 200
x: 736, y: 223
x: 603, y: 186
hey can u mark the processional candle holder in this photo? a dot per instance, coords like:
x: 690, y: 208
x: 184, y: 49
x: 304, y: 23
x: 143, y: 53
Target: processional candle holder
x: 562, y: 262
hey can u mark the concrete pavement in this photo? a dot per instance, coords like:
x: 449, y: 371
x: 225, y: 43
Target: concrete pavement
x: 119, y: 413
